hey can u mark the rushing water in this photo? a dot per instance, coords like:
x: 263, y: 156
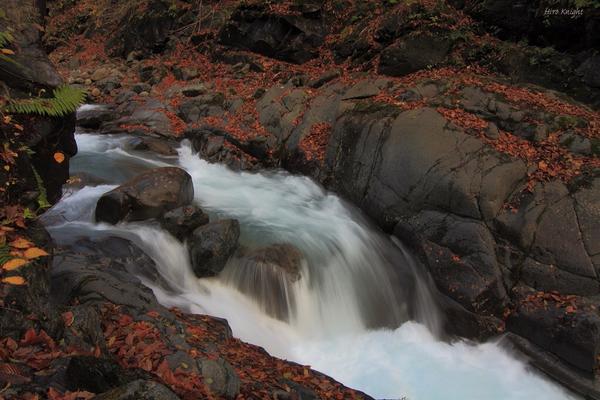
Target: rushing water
x: 347, y: 314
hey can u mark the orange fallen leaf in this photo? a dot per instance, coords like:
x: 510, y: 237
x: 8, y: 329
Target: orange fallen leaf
x: 59, y: 157
x: 13, y: 264
x: 7, y: 52
x: 14, y: 280
x: 34, y: 252
x: 21, y: 243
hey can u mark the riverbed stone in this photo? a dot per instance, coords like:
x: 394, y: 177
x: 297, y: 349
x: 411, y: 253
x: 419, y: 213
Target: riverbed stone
x: 211, y: 246
x: 148, y: 195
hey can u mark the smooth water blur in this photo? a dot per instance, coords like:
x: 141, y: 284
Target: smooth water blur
x: 354, y: 278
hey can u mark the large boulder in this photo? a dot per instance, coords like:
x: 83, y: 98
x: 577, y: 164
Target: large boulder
x: 212, y: 245
x: 266, y: 274
x: 182, y: 221
x: 149, y: 195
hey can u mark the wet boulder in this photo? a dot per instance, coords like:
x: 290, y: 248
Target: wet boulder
x: 265, y: 274
x: 182, y: 221
x: 149, y: 195
x: 154, y: 145
x: 212, y: 245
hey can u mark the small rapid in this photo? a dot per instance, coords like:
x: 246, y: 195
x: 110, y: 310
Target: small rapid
x: 360, y: 312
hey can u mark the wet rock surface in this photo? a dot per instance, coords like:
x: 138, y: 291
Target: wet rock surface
x: 211, y: 246
x: 146, y: 196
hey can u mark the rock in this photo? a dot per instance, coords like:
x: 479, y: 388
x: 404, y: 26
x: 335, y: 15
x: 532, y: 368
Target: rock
x: 574, y: 336
x: 202, y: 106
x: 185, y: 73
x: 212, y: 245
x: 590, y: 71
x: 140, y: 389
x: 141, y: 87
x: 148, y: 113
x: 99, y: 375
x: 576, y: 143
x: 549, y: 278
x: 154, y: 145
x: 558, y: 239
x: 265, y: 274
x: 194, y: 90
x: 413, y: 53
x: 587, y: 201
x: 474, y: 278
x: 492, y: 131
x: 96, y: 92
x: 148, y: 195
x: 182, y: 221
x: 220, y: 378
x: 362, y: 90
x: 101, y: 73
x: 285, y: 37
x: 323, y: 79
x: 96, y: 272
x: 95, y: 116
x: 147, y: 33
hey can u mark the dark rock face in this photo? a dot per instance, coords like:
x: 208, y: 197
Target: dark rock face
x: 212, y: 245
x: 147, y: 31
x: 573, y: 336
x: 413, y: 54
x: 103, y: 271
x: 182, y: 221
x: 146, y: 196
x: 516, y: 20
x: 288, y: 38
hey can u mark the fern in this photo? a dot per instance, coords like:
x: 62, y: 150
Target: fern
x: 5, y: 38
x: 42, y: 198
x: 65, y: 101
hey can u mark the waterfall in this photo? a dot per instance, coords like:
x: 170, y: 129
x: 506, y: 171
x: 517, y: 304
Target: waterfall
x: 359, y: 309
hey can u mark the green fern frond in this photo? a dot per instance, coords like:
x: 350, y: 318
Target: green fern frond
x: 42, y: 198
x: 5, y: 38
x: 65, y: 101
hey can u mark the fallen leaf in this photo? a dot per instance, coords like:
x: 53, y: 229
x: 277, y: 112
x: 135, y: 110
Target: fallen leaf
x: 8, y: 52
x: 34, y: 252
x: 14, y: 280
x: 59, y: 157
x: 13, y: 264
x: 21, y: 243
